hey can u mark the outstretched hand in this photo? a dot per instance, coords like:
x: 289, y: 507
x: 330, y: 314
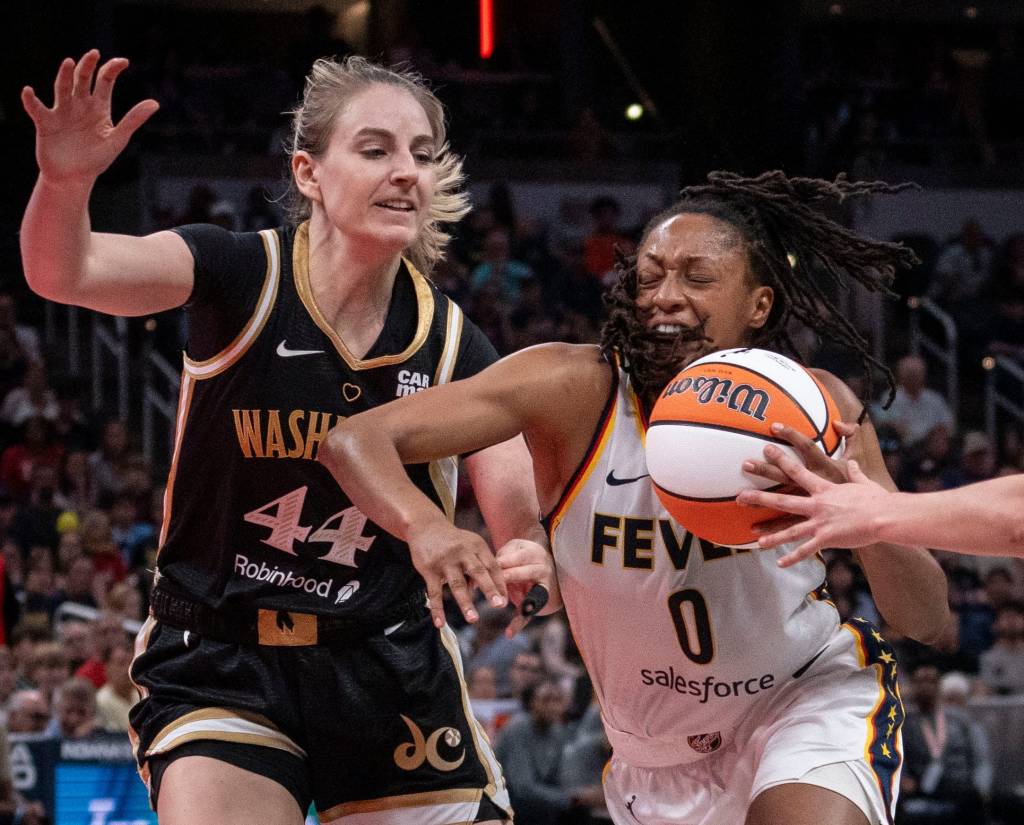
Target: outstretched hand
x: 76, y: 138
x: 444, y: 554
x: 831, y: 515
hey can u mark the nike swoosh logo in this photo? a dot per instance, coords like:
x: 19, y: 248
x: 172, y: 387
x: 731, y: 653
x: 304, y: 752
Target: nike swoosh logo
x: 803, y: 669
x: 284, y: 352
x: 615, y: 482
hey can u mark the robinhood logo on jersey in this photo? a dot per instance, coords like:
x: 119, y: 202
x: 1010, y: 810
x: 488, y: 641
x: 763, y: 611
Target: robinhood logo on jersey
x: 264, y: 572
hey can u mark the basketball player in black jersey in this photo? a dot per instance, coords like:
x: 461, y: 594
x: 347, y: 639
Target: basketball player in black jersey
x: 290, y: 655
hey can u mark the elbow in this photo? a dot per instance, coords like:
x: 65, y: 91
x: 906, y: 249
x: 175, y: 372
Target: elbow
x: 338, y: 447
x: 937, y: 630
x: 45, y: 284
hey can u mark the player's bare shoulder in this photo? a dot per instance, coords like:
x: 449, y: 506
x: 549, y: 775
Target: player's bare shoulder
x: 572, y: 375
x: 849, y: 405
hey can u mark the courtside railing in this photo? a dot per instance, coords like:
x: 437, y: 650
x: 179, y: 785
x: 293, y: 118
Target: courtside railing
x: 160, y: 385
x: 941, y: 349
x: 1004, y: 392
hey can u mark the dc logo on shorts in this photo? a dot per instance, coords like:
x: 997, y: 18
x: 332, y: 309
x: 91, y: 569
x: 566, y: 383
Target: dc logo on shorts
x: 705, y: 742
x: 411, y: 755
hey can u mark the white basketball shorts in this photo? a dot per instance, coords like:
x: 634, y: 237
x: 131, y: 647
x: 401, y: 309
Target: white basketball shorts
x: 837, y: 726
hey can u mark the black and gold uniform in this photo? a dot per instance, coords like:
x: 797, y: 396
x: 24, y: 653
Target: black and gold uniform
x: 282, y: 618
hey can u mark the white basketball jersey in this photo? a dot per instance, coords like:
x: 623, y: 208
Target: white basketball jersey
x: 682, y: 638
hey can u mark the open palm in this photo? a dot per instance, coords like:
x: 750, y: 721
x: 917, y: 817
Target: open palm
x: 77, y: 139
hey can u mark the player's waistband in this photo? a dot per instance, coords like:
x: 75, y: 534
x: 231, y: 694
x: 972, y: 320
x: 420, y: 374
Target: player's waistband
x: 274, y: 627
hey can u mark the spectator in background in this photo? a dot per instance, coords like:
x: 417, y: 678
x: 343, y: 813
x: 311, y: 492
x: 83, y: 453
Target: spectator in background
x: 977, y: 460
x: 25, y: 336
x: 78, y: 585
x: 125, y: 601
x: 498, y: 270
x: 916, y: 409
x: 99, y: 546
x: 963, y: 269
x: 486, y: 645
x: 13, y: 362
x: 599, y: 246
x: 36, y: 522
x: 583, y: 761
x: 530, y: 750
x: 846, y: 584
x: 72, y: 427
x: 8, y: 680
x: 27, y: 712
x: 19, y: 460
x: 107, y: 462
x: 894, y: 455
x: 76, y: 484
x: 1001, y: 667
x: 1007, y: 330
x: 74, y: 710
x: 30, y: 632
x: 78, y: 640
x: 32, y: 399
x: 527, y: 671
x: 945, y: 761
x: 39, y: 594
x: 116, y: 697
x: 559, y: 653
x: 47, y: 668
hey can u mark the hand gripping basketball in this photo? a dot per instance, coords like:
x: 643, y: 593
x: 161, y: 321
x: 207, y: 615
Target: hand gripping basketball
x: 717, y: 414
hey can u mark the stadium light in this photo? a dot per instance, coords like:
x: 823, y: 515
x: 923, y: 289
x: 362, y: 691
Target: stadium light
x: 486, y: 29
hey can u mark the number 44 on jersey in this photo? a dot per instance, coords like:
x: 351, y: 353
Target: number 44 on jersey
x: 344, y: 530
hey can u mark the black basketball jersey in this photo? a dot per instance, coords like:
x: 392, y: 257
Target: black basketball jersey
x: 250, y: 517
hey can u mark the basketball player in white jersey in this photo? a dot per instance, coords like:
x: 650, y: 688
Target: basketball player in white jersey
x: 728, y: 688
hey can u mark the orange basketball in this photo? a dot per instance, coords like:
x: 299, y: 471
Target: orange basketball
x: 716, y: 414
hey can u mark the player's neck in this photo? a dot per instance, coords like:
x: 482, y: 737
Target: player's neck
x: 351, y: 281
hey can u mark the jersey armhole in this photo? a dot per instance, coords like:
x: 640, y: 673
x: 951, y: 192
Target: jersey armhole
x: 604, y: 425
x: 268, y: 296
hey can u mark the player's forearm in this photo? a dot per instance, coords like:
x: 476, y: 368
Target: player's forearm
x: 909, y: 589
x: 985, y: 519
x: 55, y: 237
x: 366, y: 464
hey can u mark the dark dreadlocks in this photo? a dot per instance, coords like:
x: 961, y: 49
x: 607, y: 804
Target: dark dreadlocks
x: 793, y: 247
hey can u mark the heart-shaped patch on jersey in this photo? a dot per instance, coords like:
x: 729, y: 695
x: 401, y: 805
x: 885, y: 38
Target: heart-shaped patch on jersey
x: 351, y: 391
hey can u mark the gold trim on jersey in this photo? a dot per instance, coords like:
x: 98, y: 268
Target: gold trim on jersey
x: 184, y: 402
x: 444, y: 474
x: 452, y: 340
x: 456, y: 796
x: 424, y: 304
x: 483, y: 745
x: 141, y: 643
x: 250, y: 332
x: 222, y: 725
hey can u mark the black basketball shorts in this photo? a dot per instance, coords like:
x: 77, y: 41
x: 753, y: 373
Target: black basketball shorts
x: 378, y: 730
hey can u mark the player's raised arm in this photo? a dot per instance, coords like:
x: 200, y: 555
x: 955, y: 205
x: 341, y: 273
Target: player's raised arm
x: 76, y: 141
x: 366, y: 453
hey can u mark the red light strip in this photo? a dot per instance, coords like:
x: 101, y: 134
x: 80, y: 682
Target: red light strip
x: 486, y: 29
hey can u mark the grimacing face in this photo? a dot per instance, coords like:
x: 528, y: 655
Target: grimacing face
x: 693, y: 271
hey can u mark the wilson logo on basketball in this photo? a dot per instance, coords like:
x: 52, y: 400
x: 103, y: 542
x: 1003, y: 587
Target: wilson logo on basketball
x: 740, y: 397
